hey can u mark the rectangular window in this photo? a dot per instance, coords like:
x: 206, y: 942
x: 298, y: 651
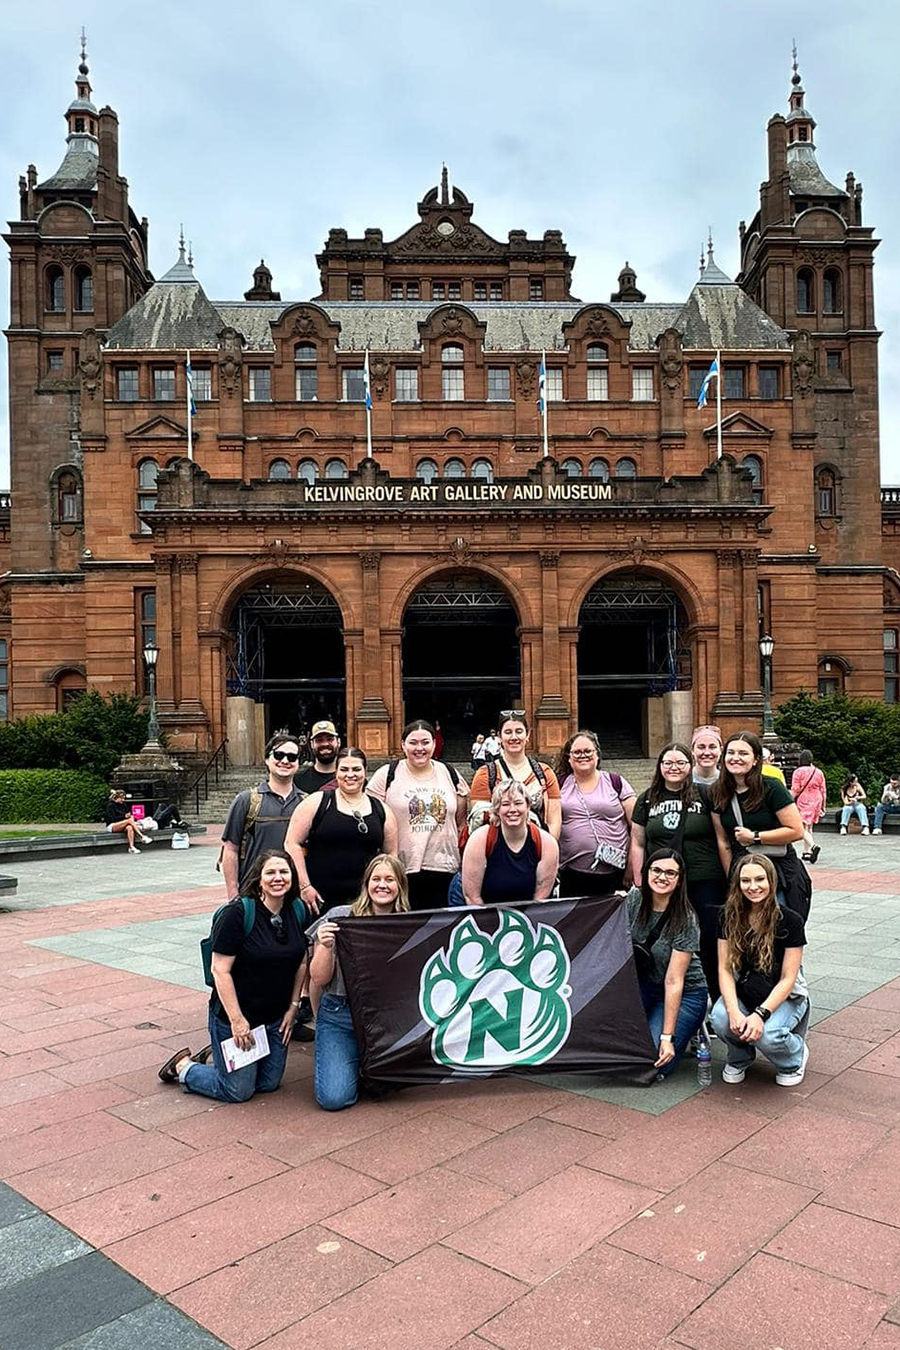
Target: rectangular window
x: 891, y: 666
x: 829, y: 686
x: 480, y: 290
x: 260, y: 384
x: 306, y: 381
x: 535, y: 290
x: 54, y: 362
x: 598, y: 383
x: 554, y: 385
x: 68, y: 507
x: 412, y: 290
x: 768, y: 382
x: 406, y: 384
x: 396, y: 290
x: 734, y: 382
x: 127, y: 384
x: 642, y: 384
x: 4, y: 680
x: 498, y: 384
x: 202, y: 384
x: 164, y: 383
x: 696, y: 376
x: 145, y: 607
x: 353, y: 384
x: 834, y: 362
x: 454, y: 290
x: 146, y: 502
x: 496, y: 290
x: 453, y: 384
x: 356, y: 289
x: 437, y: 290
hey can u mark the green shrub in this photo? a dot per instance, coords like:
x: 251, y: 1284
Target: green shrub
x: 92, y: 736
x: 34, y: 795
x: 845, y: 735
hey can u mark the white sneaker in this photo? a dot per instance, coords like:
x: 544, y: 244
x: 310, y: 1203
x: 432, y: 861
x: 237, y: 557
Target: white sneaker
x: 733, y: 1074
x: 134, y: 850
x: 864, y: 830
x: 792, y: 1079
x: 874, y: 831
x: 146, y: 839
x: 843, y: 829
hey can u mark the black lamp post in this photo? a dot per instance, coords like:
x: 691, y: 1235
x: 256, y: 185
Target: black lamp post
x: 766, y: 648
x: 151, y: 656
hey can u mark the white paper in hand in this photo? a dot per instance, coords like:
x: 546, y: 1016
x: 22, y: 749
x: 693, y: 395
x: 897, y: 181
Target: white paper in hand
x: 236, y: 1058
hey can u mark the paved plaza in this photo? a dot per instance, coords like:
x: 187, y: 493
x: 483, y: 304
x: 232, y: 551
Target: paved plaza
x: 510, y: 1214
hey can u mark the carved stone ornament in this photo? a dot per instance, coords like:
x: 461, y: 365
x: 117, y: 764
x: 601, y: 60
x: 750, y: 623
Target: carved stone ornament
x: 230, y: 371
x: 68, y: 254
x: 637, y: 550
x: 186, y: 563
x: 460, y: 552
x: 370, y: 561
x: 89, y: 363
x: 817, y: 257
x: 464, y: 239
x: 281, y: 554
x: 5, y: 604
x: 304, y: 324
x: 803, y: 362
x: 598, y: 327
x: 671, y: 360
x: 380, y: 372
x: 526, y: 372
x: 549, y: 559
x: 451, y: 321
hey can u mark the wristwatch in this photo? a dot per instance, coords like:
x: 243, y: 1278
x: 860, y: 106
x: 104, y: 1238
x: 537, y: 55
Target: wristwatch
x: 666, y: 1036
x: 764, y: 1013
x: 756, y: 838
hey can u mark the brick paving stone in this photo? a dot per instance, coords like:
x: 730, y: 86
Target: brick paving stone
x: 808, y: 1146
x: 110, y: 1040
x: 778, y: 1303
x: 192, y: 1245
x: 17, y: 1042
x: 55, y: 1143
x: 68, y: 1179
x: 20, y: 1091
x: 429, y: 1302
x: 414, y: 1214
x: 146, y: 1201
x: 606, y: 1298
x: 497, y: 1103
x: 537, y: 1233
x: 63, y: 1104
x: 100, y: 1067
x: 70, y: 1299
x: 393, y: 1155
x: 886, y: 1336
x: 871, y: 1188
x: 595, y: 1116
x: 688, y: 1230
x: 866, y: 1023
x: 525, y: 1155
x: 34, y: 1245
x: 886, y: 999
x: 31, y: 1061
x: 155, y: 1326
x: 162, y: 1108
x: 324, y: 1267
x: 307, y: 1136
x: 885, y: 1058
x: 844, y: 1245
x: 870, y: 1096
x: 14, y: 1207
x: 833, y: 1054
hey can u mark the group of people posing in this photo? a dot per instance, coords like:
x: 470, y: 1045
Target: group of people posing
x: 715, y: 893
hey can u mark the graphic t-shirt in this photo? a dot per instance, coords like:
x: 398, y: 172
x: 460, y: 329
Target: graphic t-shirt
x: 764, y: 816
x: 425, y: 809
x: 698, y: 847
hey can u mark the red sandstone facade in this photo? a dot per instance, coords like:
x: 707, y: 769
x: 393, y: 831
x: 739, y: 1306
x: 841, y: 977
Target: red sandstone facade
x: 624, y: 580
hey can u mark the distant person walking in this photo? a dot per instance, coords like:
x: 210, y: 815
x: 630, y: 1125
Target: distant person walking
x: 889, y: 805
x: 477, y: 752
x: 809, y: 792
x: 853, y: 795
x: 491, y: 746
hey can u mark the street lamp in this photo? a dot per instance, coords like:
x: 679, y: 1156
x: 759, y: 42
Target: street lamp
x: 766, y: 648
x: 151, y: 656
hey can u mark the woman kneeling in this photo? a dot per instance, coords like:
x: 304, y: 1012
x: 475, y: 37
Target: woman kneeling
x: 764, y: 995
x: 384, y: 891
x: 666, y: 936
x: 257, y: 980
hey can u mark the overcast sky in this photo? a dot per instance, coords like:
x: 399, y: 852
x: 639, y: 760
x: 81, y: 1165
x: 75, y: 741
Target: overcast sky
x: 631, y: 129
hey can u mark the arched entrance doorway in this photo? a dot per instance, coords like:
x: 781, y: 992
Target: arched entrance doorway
x: 287, y: 652
x: 460, y: 656
x: 634, y: 661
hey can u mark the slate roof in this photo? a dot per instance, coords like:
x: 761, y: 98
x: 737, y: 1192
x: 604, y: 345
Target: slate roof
x: 78, y: 170
x: 175, y: 314
x: 806, y: 178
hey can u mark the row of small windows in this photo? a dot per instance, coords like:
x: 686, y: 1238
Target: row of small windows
x: 55, y: 290
x: 832, y: 299
x: 482, y: 291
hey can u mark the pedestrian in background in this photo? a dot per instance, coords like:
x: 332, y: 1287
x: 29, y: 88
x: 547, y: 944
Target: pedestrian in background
x: 809, y: 792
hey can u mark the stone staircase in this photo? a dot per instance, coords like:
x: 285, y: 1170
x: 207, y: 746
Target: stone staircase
x: 638, y: 772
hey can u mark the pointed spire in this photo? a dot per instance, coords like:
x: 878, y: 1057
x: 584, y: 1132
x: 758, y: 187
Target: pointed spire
x: 83, y: 68
x: 795, y: 78
x: 711, y: 273
x: 702, y: 259
x: 445, y: 186
x: 183, y: 269
x: 181, y: 243
x: 709, y: 247
x: 190, y: 253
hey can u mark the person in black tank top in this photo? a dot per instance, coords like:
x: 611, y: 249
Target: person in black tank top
x: 342, y: 830
x: 509, y: 861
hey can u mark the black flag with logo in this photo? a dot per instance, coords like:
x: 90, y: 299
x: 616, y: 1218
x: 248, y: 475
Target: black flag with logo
x: 459, y: 993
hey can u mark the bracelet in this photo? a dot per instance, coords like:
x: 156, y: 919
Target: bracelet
x: 763, y: 1013
x: 307, y: 886
x: 295, y: 1002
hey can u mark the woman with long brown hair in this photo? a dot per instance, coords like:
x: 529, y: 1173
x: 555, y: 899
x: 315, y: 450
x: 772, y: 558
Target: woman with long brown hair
x: 764, y: 994
x: 596, y: 820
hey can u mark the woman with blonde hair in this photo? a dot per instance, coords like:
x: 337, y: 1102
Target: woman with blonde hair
x: 510, y: 860
x: 764, y: 1002
x: 336, y: 1076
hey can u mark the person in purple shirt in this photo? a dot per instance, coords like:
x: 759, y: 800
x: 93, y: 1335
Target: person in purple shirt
x: 596, y: 820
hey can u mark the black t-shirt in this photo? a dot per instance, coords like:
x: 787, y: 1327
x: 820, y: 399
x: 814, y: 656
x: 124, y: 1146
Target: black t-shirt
x: 765, y: 816
x: 698, y: 844
x: 264, y: 968
x: 308, y: 779
x: 116, y: 811
x: 753, y: 985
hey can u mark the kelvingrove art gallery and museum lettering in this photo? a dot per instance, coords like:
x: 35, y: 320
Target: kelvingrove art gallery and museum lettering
x: 452, y: 494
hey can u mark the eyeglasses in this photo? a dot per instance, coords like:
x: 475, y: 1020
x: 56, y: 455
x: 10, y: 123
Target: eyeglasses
x: 288, y: 756
x: 512, y: 712
x: 582, y: 754
x: 277, y: 923
x: 674, y: 764
x: 669, y: 873
x: 360, y: 822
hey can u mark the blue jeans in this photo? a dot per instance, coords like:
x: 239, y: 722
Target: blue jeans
x: 337, y: 1055
x: 214, y: 1080
x: 857, y: 810
x: 882, y: 810
x: 688, y: 1022
x: 780, y: 1043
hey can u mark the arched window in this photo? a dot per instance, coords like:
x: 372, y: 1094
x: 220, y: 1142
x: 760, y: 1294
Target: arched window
x: 806, y: 291
x: 306, y: 470
x: 84, y: 290
x: 306, y: 375
x: 71, y: 685
x: 68, y: 498
x: 626, y: 468
x: 483, y: 469
x: 453, y: 375
x: 55, y: 298
x: 147, y: 473
x: 831, y: 291
x: 454, y: 468
x: 571, y: 467
x: 335, y: 468
x: 279, y: 470
x: 599, y: 469
x: 755, y: 466
x: 826, y: 492
x: 426, y: 470
x: 598, y: 372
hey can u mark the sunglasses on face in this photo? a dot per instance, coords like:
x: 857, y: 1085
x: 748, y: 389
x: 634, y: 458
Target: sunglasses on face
x: 288, y: 756
x: 277, y: 923
x: 512, y: 712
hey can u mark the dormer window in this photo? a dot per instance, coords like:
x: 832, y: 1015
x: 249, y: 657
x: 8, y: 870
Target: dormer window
x: 598, y: 372
x: 306, y: 376
x: 453, y: 374
x: 803, y: 133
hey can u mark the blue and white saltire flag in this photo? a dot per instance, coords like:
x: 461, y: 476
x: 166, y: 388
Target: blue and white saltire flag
x: 542, y: 385
x: 367, y: 385
x: 192, y: 404
x: 711, y: 374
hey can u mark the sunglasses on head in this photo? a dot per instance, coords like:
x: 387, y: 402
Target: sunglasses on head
x: 277, y: 923
x: 289, y: 756
x: 512, y: 712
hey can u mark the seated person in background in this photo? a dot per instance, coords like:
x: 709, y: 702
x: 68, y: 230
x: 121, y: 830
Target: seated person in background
x: 889, y: 805
x: 119, y: 820
x: 510, y: 861
x: 853, y: 795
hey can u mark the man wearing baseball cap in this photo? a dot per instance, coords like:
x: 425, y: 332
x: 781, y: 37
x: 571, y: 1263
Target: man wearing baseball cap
x: 324, y: 742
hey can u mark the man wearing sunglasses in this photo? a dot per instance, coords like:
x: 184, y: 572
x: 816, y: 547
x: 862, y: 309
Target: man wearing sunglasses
x: 258, y: 817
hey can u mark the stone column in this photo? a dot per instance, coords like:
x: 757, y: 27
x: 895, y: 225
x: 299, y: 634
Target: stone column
x: 190, y: 640
x: 393, y: 662
x: 368, y: 700
x: 552, y: 712
x: 750, y: 582
x: 728, y: 664
x: 165, y: 635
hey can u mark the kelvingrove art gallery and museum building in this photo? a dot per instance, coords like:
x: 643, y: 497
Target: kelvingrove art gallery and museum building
x: 621, y: 581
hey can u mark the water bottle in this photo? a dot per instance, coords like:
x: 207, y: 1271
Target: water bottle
x: 704, y: 1062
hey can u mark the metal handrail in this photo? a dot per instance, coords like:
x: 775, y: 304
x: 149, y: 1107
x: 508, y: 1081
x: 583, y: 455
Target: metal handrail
x: 219, y: 758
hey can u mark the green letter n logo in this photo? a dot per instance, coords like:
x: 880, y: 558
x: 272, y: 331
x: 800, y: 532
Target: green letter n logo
x: 487, y: 1021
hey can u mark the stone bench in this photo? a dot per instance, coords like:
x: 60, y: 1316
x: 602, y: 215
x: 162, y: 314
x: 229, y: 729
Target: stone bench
x: 74, y: 845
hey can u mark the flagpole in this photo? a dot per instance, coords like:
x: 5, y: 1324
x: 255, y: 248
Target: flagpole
x: 189, y: 391
x: 545, y: 401
x: 368, y: 408
x: 718, y: 405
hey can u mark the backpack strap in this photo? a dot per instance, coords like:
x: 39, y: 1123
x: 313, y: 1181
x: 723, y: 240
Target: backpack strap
x: 536, y: 838
x: 493, y: 835
x: 538, y: 771
x: 454, y: 776
x: 254, y: 806
x: 391, y: 775
x: 492, y: 776
x: 324, y: 804
x: 616, y: 780
x: 249, y: 905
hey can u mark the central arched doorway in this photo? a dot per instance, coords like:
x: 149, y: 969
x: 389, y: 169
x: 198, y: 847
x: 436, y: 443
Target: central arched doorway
x: 287, y: 652
x: 460, y: 656
x: 632, y: 649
